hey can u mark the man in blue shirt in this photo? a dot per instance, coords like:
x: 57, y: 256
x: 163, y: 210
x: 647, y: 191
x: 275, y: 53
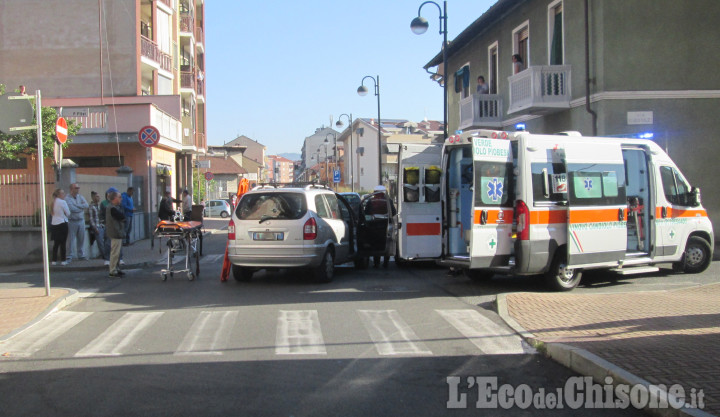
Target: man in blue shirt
x: 128, y: 207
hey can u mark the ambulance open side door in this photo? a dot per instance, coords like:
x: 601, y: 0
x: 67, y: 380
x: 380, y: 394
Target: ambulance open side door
x: 597, y: 204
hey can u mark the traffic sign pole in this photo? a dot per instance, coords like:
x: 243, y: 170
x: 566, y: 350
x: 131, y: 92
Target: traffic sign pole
x: 41, y: 187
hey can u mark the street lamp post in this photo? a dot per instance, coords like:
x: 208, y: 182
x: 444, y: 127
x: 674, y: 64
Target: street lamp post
x: 339, y: 124
x: 326, y: 163
x: 362, y: 90
x: 419, y: 25
x: 335, y: 153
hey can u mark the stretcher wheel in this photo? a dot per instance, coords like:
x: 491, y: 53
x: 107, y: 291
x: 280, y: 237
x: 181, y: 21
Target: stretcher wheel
x: 190, y: 276
x: 164, y: 276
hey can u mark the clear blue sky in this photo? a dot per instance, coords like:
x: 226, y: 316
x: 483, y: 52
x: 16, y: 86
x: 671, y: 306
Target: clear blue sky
x: 277, y: 70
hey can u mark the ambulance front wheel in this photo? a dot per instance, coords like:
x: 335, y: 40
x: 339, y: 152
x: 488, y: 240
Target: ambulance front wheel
x: 559, y: 277
x: 697, y: 256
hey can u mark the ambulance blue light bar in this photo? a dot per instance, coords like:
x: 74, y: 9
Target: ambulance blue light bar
x: 520, y: 127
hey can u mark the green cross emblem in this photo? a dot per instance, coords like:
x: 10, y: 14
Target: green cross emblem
x: 492, y: 243
x: 672, y: 234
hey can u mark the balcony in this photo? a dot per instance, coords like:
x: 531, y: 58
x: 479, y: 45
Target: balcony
x: 151, y: 51
x: 187, y: 80
x: 540, y: 90
x: 199, y: 37
x: 481, y: 110
x: 187, y: 25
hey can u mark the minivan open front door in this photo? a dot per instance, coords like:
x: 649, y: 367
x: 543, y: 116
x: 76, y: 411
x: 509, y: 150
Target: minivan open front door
x: 597, y: 206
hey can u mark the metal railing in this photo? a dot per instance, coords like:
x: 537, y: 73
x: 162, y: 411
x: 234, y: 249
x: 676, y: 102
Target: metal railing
x: 481, y: 110
x: 187, y: 24
x: 150, y: 49
x: 187, y: 79
x: 20, y: 200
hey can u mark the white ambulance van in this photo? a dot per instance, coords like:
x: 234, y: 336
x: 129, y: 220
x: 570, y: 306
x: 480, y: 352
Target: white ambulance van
x: 526, y: 204
x: 418, y: 231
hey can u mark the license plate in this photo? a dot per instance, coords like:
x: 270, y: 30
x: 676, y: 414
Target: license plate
x: 268, y: 236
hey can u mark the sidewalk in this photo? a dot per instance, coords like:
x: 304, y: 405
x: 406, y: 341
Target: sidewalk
x: 661, y: 337
x: 22, y: 307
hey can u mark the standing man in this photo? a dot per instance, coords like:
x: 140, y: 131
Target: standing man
x: 97, y: 228
x: 115, y: 229
x: 76, y: 234
x: 128, y: 207
x: 186, y: 205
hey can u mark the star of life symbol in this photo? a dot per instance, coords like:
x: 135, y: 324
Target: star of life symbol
x: 588, y: 184
x: 495, y: 189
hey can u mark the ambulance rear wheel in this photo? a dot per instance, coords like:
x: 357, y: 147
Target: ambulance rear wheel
x: 559, y: 277
x: 697, y: 256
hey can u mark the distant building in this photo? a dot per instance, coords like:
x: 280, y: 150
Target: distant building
x: 280, y: 169
x: 360, y: 162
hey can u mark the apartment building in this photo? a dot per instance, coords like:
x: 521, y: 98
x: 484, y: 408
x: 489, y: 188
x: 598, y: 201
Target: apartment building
x: 280, y: 169
x: 361, y: 163
x: 116, y: 66
x: 606, y: 68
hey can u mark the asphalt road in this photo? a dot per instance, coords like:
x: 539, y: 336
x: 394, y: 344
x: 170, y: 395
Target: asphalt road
x: 374, y: 342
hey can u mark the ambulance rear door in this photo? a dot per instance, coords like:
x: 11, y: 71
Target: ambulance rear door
x: 419, y: 208
x: 494, y: 195
x: 597, y: 227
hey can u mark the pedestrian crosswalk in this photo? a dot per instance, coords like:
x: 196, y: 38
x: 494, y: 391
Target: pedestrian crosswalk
x: 297, y: 332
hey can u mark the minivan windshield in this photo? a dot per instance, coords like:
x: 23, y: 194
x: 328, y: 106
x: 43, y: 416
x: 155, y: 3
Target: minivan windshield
x: 264, y: 206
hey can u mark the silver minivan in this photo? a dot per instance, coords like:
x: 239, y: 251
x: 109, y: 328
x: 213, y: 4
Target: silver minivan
x: 309, y: 227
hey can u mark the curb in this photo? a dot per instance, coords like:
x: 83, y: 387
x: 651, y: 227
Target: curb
x: 588, y: 364
x: 59, y: 304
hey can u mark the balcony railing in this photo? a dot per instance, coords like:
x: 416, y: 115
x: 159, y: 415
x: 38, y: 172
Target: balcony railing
x: 187, y: 79
x: 200, y: 87
x: 199, y: 36
x: 481, y: 110
x: 540, y: 89
x: 187, y: 24
x: 151, y: 50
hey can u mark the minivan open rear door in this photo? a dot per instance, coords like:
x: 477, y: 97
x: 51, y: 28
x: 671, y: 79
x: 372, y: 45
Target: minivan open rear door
x: 597, y: 226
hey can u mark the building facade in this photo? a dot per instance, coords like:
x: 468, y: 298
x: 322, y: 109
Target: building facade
x: 280, y: 169
x: 606, y: 68
x: 116, y: 66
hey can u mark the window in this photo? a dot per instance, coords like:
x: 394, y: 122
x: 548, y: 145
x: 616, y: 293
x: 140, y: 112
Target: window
x: 320, y: 207
x: 98, y: 161
x: 674, y: 185
x: 521, y: 44
x: 334, y: 206
x: 462, y: 81
x: 283, y: 206
x: 495, y: 184
x: 599, y: 184
x: 555, y: 32
x: 549, y: 183
x: 492, y: 78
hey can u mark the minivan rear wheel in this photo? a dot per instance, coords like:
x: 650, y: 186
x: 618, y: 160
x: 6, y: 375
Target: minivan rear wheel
x: 324, y: 272
x: 242, y: 274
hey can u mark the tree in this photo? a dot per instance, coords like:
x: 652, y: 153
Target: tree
x: 25, y: 143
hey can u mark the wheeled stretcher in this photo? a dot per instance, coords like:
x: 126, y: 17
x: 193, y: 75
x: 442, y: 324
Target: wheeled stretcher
x: 183, y: 237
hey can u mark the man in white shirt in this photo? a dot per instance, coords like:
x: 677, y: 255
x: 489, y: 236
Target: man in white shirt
x: 186, y: 205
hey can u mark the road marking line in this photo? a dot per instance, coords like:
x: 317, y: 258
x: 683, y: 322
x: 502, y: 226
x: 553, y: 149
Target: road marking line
x: 212, y: 258
x: 391, y: 334
x: 120, y: 335
x: 489, y: 337
x: 209, y: 333
x: 42, y: 333
x: 299, y: 333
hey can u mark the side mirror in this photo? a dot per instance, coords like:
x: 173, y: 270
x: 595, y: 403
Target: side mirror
x: 695, y: 199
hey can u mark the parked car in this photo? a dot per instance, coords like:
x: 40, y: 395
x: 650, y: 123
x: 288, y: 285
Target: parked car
x: 354, y: 200
x: 310, y: 227
x: 217, y: 208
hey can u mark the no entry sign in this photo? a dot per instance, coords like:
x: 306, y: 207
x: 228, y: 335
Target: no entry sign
x: 149, y: 136
x: 61, y: 130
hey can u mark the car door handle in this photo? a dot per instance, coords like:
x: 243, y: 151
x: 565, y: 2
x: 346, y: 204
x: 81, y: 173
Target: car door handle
x: 663, y: 212
x: 621, y: 214
x: 483, y: 217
